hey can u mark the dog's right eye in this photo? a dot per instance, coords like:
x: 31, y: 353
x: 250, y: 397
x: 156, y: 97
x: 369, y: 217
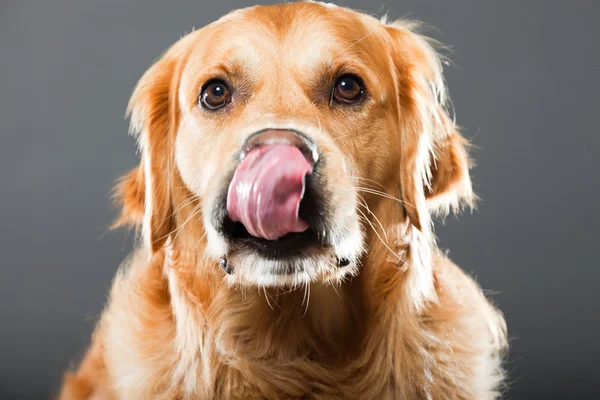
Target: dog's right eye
x: 214, y: 95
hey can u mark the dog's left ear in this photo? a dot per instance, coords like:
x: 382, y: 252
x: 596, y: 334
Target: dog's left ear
x: 434, y: 169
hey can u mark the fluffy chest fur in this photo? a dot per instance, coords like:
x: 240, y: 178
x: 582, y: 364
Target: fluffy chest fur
x: 159, y: 341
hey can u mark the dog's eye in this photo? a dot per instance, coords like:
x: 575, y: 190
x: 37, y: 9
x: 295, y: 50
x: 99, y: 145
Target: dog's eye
x: 215, y: 95
x: 348, y: 89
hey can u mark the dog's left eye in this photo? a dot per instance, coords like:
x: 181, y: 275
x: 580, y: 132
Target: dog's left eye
x: 215, y: 95
x: 348, y: 89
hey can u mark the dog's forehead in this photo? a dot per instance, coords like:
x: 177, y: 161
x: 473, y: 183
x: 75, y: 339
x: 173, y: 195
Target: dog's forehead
x: 299, y: 34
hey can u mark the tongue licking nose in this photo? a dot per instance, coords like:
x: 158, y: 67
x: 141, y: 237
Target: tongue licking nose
x: 266, y: 191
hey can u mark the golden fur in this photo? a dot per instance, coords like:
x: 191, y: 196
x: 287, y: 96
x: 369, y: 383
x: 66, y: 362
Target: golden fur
x: 403, y: 322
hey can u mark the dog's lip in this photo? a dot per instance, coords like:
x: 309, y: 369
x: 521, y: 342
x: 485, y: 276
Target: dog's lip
x: 291, y: 245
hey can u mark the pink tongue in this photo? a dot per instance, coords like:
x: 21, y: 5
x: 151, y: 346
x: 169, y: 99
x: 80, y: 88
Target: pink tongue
x: 266, y: 191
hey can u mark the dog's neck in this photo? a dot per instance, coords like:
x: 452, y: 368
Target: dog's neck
x: 256, y: 323
x: 318, y: 320
x: 324, y: 319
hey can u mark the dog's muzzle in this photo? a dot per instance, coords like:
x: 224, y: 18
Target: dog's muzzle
x: 275, y: 200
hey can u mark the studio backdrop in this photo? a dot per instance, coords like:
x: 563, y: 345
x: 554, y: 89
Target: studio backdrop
x: 523, y: 79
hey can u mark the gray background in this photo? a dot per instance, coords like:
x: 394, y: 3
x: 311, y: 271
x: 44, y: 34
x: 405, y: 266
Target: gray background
x: 525, y: 87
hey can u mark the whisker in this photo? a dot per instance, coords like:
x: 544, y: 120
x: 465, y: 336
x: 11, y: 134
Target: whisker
x: 184, y: 204
x: 195, y: 212
x: 364, y: 204
x: 275, y: 301
x: 201, y: 238
x: 383, y: 194
x: 335, y: 290
x: 368, y: 180
x: 307, y: 299
x: 292, y: 289
x: 379, y: 193
x: 304, y: 296
x: 267, y: 298
x: 376, y: 233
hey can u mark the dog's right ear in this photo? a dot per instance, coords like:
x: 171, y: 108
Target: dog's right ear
x: 144, y: 194
x: 129, y: 196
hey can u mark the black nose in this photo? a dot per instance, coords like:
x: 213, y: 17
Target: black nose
x: 282, y: 136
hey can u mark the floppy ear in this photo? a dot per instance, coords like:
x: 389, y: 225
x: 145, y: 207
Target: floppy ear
x: 451, y: 188
x: 145, y: 192
x: 434, y: 169
x: 129, y: 195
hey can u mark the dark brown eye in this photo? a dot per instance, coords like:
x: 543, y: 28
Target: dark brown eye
x: 215, y: 95
x: 348, y: 89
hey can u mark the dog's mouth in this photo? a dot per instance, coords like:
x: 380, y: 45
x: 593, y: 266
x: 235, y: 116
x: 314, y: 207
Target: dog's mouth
x: 267, y: 188
x: 291, y: 245
x: 275, y: 218
x: 274, y: 202
x: 312, y: 235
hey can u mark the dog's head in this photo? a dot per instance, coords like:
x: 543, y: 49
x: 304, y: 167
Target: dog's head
x: 263, y: 130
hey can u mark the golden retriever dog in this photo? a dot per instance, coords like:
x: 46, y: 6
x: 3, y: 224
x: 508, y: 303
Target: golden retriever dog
x: 292, y: 158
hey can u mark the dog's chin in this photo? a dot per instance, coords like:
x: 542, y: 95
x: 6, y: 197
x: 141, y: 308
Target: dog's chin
x: 293, y: 260
x: 250, y: 268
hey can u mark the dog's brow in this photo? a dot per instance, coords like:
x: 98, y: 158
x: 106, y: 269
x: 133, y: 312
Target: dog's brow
x: 358, y: 41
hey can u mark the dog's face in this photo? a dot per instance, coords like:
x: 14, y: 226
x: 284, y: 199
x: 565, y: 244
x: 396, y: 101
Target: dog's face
x: 272, y: 119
